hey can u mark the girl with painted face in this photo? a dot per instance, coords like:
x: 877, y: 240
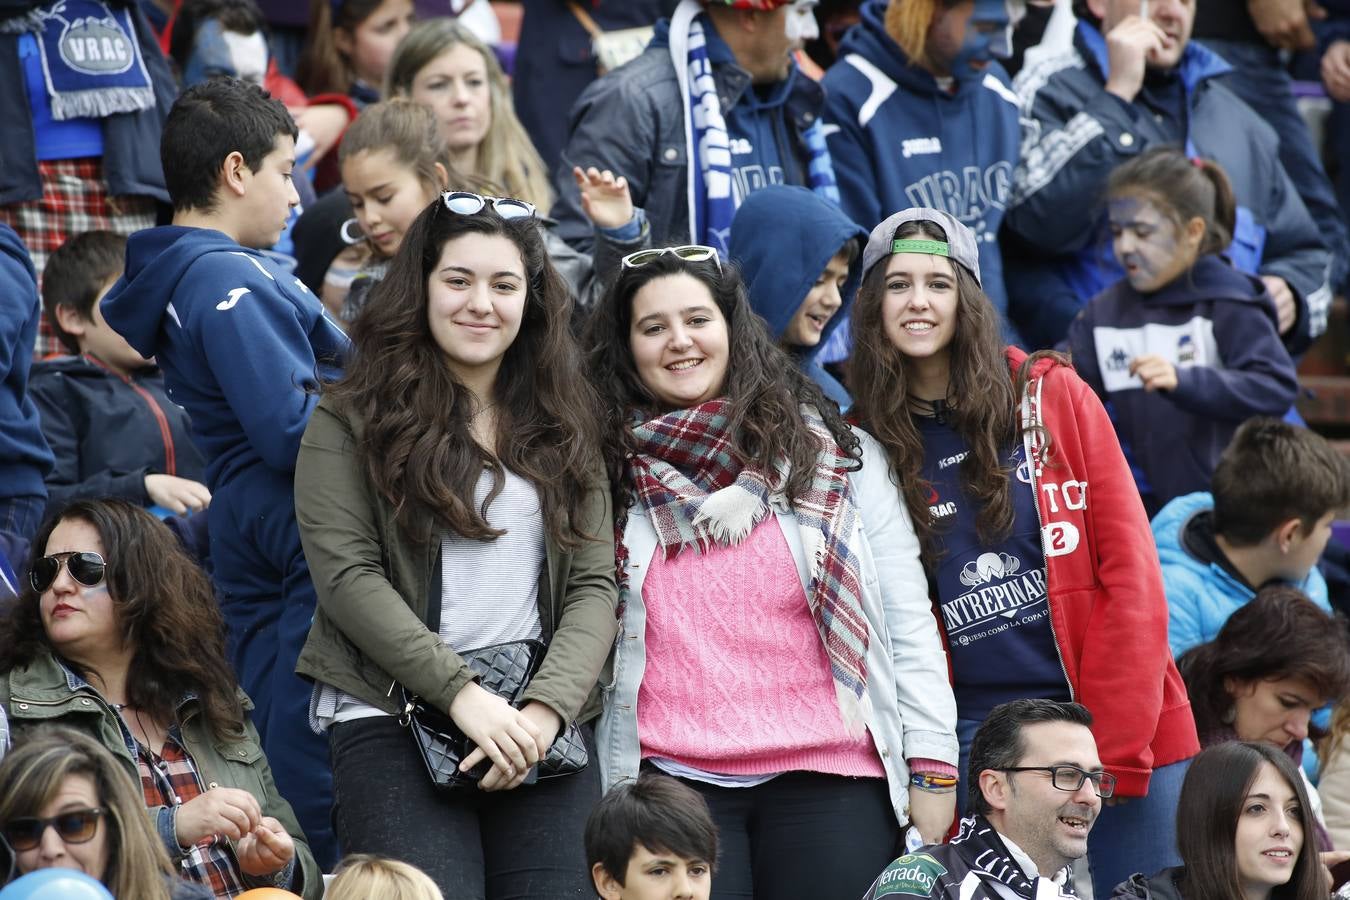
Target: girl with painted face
x: 1185, y: 347
x: 777, y: 651
x: 1245, y: 830
x: 450, y: 498
x: 1038, y: 553
x: 65, y: 802
x: 118, y: 635
x: 442, y: 65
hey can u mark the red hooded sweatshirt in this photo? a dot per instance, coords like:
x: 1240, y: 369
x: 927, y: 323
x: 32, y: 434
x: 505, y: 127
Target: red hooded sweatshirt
x: 1107, y: 605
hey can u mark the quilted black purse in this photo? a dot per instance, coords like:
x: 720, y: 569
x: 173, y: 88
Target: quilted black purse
x: 505, y: 670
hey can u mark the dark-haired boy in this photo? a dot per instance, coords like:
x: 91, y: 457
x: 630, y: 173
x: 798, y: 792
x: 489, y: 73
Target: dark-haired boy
x: 104, y: 409
x: 244, y: 346
x: 1275, y: 492
x: 651, y: 839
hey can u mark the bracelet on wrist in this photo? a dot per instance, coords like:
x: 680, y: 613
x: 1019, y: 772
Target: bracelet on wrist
x: 938, y: 784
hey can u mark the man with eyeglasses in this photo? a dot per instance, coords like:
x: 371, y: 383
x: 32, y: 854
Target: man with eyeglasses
x: 1036, y: 786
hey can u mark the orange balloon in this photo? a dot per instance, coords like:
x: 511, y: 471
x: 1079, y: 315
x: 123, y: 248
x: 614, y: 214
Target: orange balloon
x: 267, y: 894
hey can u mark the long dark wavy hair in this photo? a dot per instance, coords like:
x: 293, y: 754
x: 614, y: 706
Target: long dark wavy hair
x: 418, y: 450
x: 1279, y: 634
x: 982, y: 395
x: 164, y: 606
x: 765, y: 389
x: 1212, y: 801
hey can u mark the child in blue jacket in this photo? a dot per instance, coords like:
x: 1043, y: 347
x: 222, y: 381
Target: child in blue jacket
x: 244, y: 346
x: 1186, y: 347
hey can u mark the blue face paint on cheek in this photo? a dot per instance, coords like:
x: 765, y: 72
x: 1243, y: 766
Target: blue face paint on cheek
x: 988, y: 36
x: 210, y: 55
x: 1146, y: 245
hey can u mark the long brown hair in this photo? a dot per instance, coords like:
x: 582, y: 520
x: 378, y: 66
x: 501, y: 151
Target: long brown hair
x: 34, y: 772
x: 165, y: 608
x: 322, y: 68
x: 1212, y: 800
x: 418, y: 450
x: 981, y: 392
x: 765, y: 388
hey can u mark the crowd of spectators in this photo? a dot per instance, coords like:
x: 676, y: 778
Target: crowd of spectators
x: 714, y: 448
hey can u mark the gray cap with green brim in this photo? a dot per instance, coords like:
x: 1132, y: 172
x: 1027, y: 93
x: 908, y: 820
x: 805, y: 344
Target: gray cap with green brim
x: 959, y: 247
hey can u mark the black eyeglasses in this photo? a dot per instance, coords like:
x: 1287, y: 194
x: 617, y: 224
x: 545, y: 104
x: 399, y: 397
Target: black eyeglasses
x: 1071, y: 778
x: 85, y: 567
x: 688, y: 253
x: 466, y: 203
x: 74, y: 826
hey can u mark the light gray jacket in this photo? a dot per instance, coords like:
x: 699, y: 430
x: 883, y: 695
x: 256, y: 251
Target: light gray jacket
x: 913, y: 711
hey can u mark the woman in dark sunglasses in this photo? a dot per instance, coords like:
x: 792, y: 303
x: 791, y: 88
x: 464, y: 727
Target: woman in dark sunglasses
x: 450, y: 498
x: 66, y: 802
x: 117, y: 634
x: 778, y: 653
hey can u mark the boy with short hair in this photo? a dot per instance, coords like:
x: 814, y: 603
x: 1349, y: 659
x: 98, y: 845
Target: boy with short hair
x: 244, y: 346
x: 104, y: 409
x: 651, y: 839
x: 1275, y: 492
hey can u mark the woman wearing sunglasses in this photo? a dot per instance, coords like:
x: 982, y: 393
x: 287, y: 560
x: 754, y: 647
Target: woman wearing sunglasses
x: 117, y: 634
x: 777, y: 649
x: 1036, y: 545
x: 66, y: 802
x: 450, y: 499
x: 1245, y: 829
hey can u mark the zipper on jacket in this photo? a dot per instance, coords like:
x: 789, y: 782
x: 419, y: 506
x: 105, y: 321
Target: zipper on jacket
x: 165, y: 432
x: 1031, y: 413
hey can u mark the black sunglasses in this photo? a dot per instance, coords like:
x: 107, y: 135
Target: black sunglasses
x: 74, y: 826
x: 85, y: 567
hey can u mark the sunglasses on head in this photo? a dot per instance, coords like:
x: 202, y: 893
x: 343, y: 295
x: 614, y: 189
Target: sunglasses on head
x: 86, y: 567
x: 74, y: 826
x: 467, y: 203
x: 688, y: 253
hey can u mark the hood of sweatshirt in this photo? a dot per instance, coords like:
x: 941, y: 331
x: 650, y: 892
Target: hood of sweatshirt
x: 156, y: 261
x: 782, y: 238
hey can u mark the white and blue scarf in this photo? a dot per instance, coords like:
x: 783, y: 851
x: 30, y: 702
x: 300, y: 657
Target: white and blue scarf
x: 711, y: 189
x: 91, y: 60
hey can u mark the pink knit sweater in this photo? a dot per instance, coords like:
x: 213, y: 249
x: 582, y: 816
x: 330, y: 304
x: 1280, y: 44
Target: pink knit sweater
x: 737, y: 680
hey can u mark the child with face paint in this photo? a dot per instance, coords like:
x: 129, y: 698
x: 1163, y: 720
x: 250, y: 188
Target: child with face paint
x: 1185, y: 347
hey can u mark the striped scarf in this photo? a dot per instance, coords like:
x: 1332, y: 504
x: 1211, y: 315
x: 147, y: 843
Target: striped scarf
x: 698, y: 493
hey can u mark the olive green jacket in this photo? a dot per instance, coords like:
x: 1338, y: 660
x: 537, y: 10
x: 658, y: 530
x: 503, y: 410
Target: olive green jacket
x: 41, y: 693
x: 374, y: 586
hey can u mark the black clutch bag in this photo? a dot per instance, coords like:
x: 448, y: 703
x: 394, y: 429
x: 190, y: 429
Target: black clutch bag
x: 505, y: 670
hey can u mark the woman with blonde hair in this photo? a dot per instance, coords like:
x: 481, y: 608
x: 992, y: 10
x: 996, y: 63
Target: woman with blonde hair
x: 446, y: 67
x: 365, y: 877
x: 65, y: 802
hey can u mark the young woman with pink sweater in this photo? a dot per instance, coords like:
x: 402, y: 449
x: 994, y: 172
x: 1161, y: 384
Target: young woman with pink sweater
x: 777, y: 651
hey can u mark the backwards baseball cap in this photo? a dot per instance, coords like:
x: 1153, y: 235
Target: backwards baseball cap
x: 959, y: 247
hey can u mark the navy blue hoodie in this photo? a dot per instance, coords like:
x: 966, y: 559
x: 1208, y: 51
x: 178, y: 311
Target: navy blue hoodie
x: 898, y: 140
x: 108, y: 431
x: 782, y: 238
x: 24, y: 457
x: 1217, y: 326
x: 242, y: 342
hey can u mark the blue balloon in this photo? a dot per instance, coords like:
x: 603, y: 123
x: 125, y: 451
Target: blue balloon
x: 55, y: 884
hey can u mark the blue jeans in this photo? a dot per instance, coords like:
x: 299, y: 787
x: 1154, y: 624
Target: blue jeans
x: 20, y: 518
x: 1260, y: 79
x: 1138, y: 836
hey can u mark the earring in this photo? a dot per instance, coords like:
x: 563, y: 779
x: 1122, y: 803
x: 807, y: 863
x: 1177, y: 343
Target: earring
x: 1229, y: 716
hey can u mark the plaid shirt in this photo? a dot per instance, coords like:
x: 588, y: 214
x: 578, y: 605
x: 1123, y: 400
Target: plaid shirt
x: 171, y: 779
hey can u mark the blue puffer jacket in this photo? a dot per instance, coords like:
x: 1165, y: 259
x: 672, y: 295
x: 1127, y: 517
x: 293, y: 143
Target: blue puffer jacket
x: 1075, y: 134
x: 1201, y: 595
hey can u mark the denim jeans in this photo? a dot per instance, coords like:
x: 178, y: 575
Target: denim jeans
x: 801, y: 834
x: 521, y: 844
x: 20, y: 518
x: 1260, y: 79
x: 1139, y: 835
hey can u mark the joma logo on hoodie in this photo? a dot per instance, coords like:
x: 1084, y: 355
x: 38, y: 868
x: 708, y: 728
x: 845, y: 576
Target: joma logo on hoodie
x: 235, y: 295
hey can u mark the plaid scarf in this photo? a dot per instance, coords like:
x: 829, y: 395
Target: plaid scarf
x: 698, y: 493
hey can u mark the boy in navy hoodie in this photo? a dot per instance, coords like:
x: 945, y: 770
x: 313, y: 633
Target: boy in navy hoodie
x: 244, y: 346
x: 104, y: 410
x: 24, y: 457
x: 801, y: 259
